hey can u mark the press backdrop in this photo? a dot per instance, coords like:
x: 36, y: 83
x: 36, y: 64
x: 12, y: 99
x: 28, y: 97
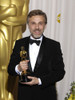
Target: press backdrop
x: 60, y: 27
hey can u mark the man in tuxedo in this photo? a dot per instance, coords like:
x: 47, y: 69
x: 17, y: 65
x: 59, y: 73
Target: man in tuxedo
x: 44, y: 61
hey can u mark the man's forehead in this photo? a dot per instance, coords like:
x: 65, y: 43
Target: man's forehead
x: 36, y: 18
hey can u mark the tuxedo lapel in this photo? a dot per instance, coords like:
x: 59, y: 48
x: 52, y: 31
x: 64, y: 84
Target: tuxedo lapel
x: 29, y: 64
x: 40, y: 55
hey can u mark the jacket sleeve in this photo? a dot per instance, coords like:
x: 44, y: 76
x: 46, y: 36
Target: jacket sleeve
x: 14, y: 60
x: 57, y: 68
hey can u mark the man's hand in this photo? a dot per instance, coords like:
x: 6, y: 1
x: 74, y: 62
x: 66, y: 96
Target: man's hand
x: 34, y: 81
x: 23, y: 65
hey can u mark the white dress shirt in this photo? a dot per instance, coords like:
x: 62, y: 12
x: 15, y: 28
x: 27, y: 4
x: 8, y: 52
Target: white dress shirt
x: 34, y: 51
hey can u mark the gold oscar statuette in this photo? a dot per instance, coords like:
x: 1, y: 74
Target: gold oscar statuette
x: 13, y: 18
x: 23, y: 55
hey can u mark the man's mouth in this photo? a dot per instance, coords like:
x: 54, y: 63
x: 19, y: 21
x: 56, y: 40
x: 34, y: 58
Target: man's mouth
x: 37, y: 31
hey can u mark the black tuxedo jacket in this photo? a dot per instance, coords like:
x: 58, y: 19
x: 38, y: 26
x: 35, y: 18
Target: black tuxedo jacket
x: 49, y: 68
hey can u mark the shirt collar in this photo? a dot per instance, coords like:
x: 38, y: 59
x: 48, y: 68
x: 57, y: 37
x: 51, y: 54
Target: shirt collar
x: 37, y: 39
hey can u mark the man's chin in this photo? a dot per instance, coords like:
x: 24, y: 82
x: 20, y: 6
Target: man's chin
x: 36, y: 36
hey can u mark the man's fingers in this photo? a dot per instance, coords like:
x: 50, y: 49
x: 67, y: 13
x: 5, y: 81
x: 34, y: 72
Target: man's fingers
x: 30, y: 77
x: 33, y: 81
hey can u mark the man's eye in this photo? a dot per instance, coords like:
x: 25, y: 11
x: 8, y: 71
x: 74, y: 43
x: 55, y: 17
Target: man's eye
x: 41, y: 23
x: 33, y: 23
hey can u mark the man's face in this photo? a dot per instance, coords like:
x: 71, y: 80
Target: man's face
x: 36, y: 25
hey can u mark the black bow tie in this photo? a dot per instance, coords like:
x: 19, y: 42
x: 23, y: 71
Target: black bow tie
x: 34, y: 41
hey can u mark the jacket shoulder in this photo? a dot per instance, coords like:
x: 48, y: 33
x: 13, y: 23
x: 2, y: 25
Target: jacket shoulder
x: 51, y: 41
x: 21, y: 42
x: 23, y: 39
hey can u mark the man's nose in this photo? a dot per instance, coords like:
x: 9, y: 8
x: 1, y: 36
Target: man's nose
x: 37, y: 26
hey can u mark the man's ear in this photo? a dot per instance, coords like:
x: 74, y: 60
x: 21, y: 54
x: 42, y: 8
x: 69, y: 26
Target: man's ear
x: 45, y: 26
